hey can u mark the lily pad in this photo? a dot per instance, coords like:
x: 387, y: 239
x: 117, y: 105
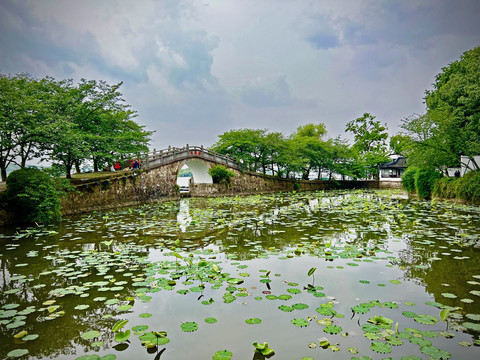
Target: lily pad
x: 300, y: 322
x: 222, y: 355
x: 17, y: 353
x: 381, y: 347
x: 189, y: 326
x: 426, y: 319
x: 332, y: 329
x: 89, y: 335
x: 253, y: 321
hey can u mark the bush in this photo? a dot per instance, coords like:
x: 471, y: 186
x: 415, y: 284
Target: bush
x: 33, y: 195
x: 446, y: 187
x: 220, y: 174
x: 408, y: 179
x: 424, y: 181
x: 469, y: 187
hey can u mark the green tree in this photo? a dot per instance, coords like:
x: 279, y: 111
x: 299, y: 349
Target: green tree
x: 24, y: 118
x: 34, y: 196
x: 245, y: 145
x: 93, y: 123
x: 400, y: 144
x: 370, y: 142
x: 309, y: 150
x: 453, y: 106
x: 220, y: 174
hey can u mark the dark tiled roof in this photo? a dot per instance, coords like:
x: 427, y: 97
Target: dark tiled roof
x: 401, y: 163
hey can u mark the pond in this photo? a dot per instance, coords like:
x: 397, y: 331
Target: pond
x: 320, y: 275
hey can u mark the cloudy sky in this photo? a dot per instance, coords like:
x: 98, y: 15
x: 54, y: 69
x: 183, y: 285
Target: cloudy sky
x: 194, y: 69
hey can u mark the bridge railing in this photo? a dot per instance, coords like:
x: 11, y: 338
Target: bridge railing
x: 159, y: 157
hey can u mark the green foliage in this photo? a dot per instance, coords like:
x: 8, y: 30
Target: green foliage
x: 34, y: 195
x: 370, y: 142
x: 451, y: 125
x: 408, y: 178
x: 446, y: 187
x: 66, y: 123
x: 424, y: 181
x: 400, y: 144
x: 469, y: 187
x: 263, y: 349
x: 303, y: 152
x: 186, y: 172
x: 220, y: 174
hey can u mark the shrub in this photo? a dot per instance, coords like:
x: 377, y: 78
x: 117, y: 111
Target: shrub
x: 424, y: 181
x: 220, y: 174
x: 469, y: 187
x: 446, y: 187
x: 33, y: 195
x: 408, y: 179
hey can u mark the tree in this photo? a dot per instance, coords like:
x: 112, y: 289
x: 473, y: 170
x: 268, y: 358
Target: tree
x: 24, y: 118
x: 245, y: 145
x: 400, y: 144
x: 94, y: 123
x: 309, y: 150
x: 454, y: 107
x: 370, y: 141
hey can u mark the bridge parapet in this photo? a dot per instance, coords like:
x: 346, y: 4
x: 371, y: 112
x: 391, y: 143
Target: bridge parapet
x: 171, y: 154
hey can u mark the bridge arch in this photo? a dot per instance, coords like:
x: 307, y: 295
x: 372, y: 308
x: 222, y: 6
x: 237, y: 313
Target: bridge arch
x: 199, y: 169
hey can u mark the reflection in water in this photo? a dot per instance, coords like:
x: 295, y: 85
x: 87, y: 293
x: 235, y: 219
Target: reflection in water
x: 91, y: 266
x: 183, y: 217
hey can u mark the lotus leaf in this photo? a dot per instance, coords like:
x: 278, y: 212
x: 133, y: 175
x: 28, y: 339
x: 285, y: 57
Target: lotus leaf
x: 189, y: 326
x: 420, y: 341
x: 381, y: 347
x: 119, y: 324
x: 222, y: 355
x: 300, y: 306
x: 30, y: 337
x: 426, y: 319
x: 121, y: 336
x: 89, y: 335
x: 300, y: 322
x: 108, y: 357
x: 332, y: 329
x: 286, y: 308
x: 435, y: 353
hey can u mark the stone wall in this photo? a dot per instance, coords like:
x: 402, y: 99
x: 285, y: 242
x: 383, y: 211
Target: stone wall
x: 159, y: 184
x: 390, y: 185
x: 135, y: 188
x: 244, y: 183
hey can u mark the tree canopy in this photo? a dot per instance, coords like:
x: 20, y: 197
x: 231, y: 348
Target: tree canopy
x: 66, y: 123
x: 451, y: 125
x: 306, y: 152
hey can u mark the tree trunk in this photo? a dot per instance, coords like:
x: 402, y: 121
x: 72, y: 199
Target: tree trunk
x: 95, y: 164
x: 68, y: 170
x: 3, y: 171
x: 77, y: 166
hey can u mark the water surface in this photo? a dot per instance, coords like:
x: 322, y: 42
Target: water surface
x: 380, y: 260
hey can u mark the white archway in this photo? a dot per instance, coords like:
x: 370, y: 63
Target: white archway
x: 199, y: 170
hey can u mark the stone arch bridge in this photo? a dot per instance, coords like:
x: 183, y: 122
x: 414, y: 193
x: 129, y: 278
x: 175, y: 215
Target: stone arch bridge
x: 158, y: 177
x: 197, y: 158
